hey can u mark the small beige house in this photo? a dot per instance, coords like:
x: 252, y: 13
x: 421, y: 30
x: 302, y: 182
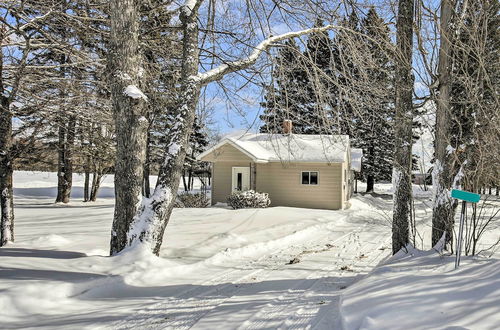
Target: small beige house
x: 310, y: 171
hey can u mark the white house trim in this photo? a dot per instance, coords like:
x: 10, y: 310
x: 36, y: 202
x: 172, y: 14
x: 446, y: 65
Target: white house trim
x: 232, y: 143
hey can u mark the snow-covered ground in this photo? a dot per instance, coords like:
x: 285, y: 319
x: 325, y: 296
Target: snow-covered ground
x: 422, y: 290
x: 219, y: 268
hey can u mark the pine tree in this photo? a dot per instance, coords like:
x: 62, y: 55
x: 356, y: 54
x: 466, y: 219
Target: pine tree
x: 474, y: 90
x: 373, y: 129
x: 198, y: 141
x: 76, y: 101
x: 161, y: 68
x: 286, y: 94
x: 321, y: 91
x: 346, y: 63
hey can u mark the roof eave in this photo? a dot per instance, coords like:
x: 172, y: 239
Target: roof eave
x: 234, y: 144
x: 334, y: 161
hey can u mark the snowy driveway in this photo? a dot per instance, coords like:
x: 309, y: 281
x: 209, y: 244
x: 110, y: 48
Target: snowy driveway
x: 249, y: 269
x: 257, y: 286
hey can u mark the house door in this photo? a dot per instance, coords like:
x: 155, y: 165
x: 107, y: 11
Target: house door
x: 241, y: 179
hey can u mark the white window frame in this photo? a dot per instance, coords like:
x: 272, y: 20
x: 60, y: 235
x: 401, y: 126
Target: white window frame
x: 309, y: 184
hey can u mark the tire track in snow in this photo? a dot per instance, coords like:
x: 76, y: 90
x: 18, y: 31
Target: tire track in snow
x: 326, y: 320
x: 191, y: 306
x: 220, y: 287
x: 204, y: 324
x: 300, y: 303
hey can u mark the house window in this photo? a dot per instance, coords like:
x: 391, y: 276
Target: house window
x: 310, y: 178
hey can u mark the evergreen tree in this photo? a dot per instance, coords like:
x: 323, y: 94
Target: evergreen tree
x: 346, y: 63
x: 373, y: 129
x: 162, y: 70
x: 286, y: 95
x: 340, y: 86
x: 365, y: 105
x: 321, y: 91
x: 198, y: 142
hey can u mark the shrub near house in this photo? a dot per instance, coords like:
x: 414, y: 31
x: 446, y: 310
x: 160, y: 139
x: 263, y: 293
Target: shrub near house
x: 192, y: 200
x: 248, y: 199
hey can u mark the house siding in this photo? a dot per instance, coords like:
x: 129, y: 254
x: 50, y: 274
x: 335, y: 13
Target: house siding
x: 283, y: 184
x: 282, y: 181
x: 344, y: 183
x: 226, y: 153
x: 224, y: 159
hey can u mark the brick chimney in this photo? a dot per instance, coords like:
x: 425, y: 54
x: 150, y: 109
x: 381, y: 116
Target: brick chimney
x: 287, y: 126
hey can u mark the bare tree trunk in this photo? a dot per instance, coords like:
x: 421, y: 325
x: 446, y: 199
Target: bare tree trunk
x: 152, y: 218
x: 370, y: 180
x: 6, y: 172
x: 370, y: 183
x: 86, y: 185
x: 64, y: 169
x: 69, y: 157
x: 401, y: 176
x: 147, y: 168
x: 190, y: 179
x: 186, y: 189
x: 444, y: 208
x: 96, y: 184
x: 87, y: 167
x: 87, y: 180
x: 93, y: 187
x: 65, y: 160
x: 61, y: 145
x: 130, y: 117
x: 147, y: 185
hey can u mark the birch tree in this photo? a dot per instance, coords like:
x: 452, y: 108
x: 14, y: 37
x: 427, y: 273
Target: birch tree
x: 6, y: 170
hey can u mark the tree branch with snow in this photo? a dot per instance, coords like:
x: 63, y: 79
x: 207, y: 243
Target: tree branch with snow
x: 226, y: 68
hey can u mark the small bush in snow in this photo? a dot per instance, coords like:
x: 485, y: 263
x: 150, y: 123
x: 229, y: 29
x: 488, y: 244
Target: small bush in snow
x: 192, y: 200
x: 248, y: 199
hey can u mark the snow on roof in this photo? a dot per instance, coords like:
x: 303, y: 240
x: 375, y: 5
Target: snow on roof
x: 265, y: 148
x: 356, y: 155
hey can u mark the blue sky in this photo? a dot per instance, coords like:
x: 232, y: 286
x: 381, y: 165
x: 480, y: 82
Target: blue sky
x: 242, y: 115
x: 244, y: 110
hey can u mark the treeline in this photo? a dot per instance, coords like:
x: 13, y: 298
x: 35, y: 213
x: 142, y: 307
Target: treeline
x: 340, y: 83
x: 55, y: 64
x: 115, y: 86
